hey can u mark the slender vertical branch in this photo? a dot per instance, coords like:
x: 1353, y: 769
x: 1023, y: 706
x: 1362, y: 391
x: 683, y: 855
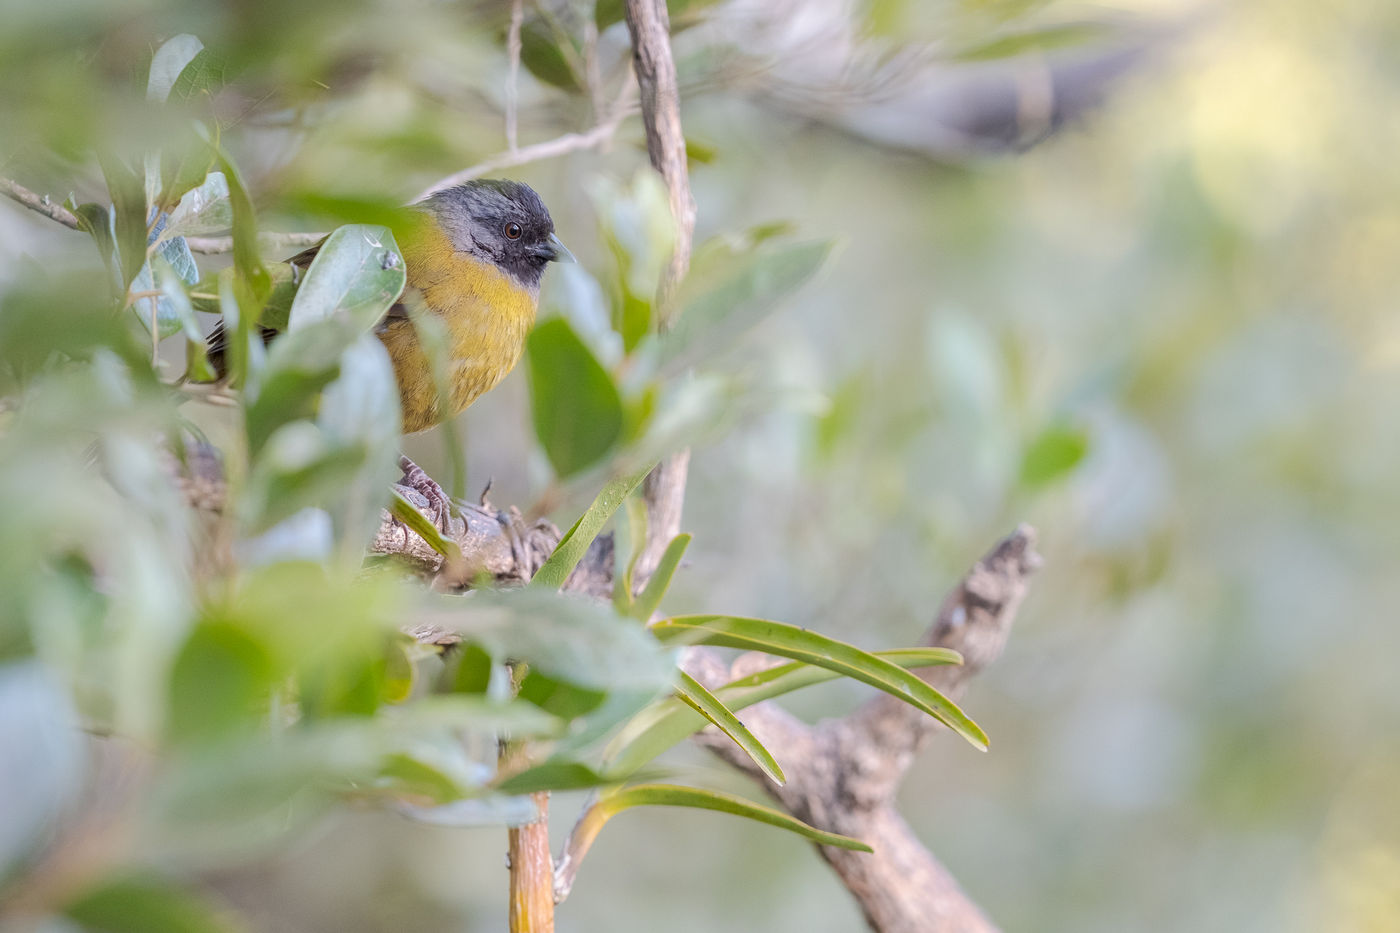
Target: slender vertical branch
x: 517, y: 19
x: 650, y: 27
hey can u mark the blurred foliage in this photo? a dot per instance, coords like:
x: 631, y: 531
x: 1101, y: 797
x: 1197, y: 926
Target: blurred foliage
x: 1167, y: 337
x: 239, y: 657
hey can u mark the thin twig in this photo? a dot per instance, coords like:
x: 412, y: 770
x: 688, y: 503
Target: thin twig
x: 549, y: 149
x: 39, y: 203
x: 268, y: 242
x: 517, y: 18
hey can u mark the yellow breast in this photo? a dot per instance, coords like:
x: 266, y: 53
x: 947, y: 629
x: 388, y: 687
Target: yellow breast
x: 487, y: 314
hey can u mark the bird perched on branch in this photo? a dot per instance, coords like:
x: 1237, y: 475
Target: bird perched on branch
x: 474, y: 257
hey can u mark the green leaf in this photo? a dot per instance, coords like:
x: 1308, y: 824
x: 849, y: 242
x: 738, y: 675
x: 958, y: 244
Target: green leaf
x: 558, y: 697
x: 660, y: 581
x: 128, y: 191
x: 672, y: 795
x: 577, y: 408
x: 299, y: 366
x: 202, y: 210
x: 724, y: 302
x: 626, y: 559
x: 147, y: 905
x: 168, y: 62
x: 697, y: 697
x: 99, y: 222
x: 669, y: 722
x: 420, y: 525
x: 247, y: 262
x: 1047, y: 39
x: 554, y: 776
x: 185, y: 162
x: 298, y: 467
x: 1053, y: 454
x: 579, y: 642
x: 220, y: 680
x: 542, y: 56
x: 576, y: 540
x: 358, y: 273
x: 205, y: 73
x: 802, y: 645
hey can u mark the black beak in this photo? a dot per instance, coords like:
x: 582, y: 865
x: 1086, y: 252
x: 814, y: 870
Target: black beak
x: 552, y: 250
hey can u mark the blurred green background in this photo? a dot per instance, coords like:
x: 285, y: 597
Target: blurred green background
x: 1167, y: 336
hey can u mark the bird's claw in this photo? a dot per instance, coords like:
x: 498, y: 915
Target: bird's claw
x: 415, y: 478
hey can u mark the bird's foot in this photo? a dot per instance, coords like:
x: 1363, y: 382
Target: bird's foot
x: 415, y: 478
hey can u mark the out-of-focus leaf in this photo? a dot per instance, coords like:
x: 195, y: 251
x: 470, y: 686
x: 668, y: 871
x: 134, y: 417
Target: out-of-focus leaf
x: 247, y: 262
x: 362, y: 407
x: 542, y: 56
x: 358, y: 273
x: 205, y: 73
x: 660, y: 581
x: 669, y: 722
x: 185, y: 161
x: 1055, y: 452
x: 398, y: 673
x: 554, y: 776
x: 637, y: 227
x: 491, y: 811
x: 471, y: 672
x: 202, y: 210
x: 626, y: 557
x: 220, y: 680
x: 576, y: 540
x: 99, y: 222
x: 299, y: 467
x: 168, y: 62
x: 128, y: 191
x: 299, y: 366
x: 803, y: 645
x: 694, y: 694
x: 1046, y: 39
x: 577, y: 408
x: 559, y: 698
x: 233, y: 800
x: 683, y: 12
x: 41, y: 762
x: 410, y: 777
x: 734, y: 298
x: 148, y: 905
x: 576, y: 641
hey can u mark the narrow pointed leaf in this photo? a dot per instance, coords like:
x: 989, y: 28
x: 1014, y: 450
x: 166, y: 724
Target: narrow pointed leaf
x: 576, y: 540
x: 694, y: 694
x: 418, y: 523
x: 789, y: 641
x: 674, y: 795
x: 660, y: 581
x: 668, y: 722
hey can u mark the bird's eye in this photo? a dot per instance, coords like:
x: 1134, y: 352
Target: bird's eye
x: 513, y: 231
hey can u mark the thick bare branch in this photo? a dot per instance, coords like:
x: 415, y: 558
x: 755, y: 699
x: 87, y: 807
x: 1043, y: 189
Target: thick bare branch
x: 843, y: 774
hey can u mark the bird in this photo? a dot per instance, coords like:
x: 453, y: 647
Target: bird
x: 474, y: 256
